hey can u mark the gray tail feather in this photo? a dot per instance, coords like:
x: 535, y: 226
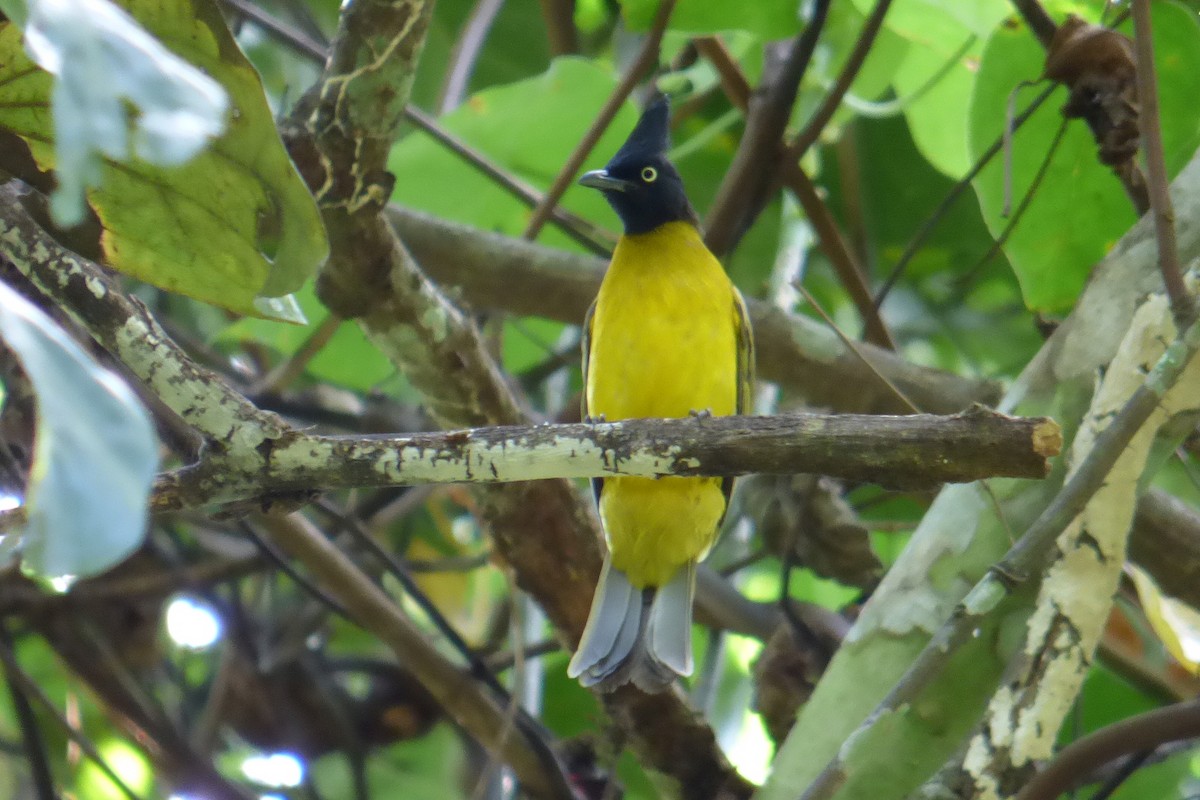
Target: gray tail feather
x: 639, y: 636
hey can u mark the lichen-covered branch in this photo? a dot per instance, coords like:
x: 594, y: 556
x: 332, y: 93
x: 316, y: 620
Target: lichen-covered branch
x: 963, y: 535
x: 129, y: 331
x: 1079, y: 582
x: 910, y: 452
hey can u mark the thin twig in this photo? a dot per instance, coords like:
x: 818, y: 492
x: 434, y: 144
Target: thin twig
x: 460, y: 695
x: 748, y: 183
x: 292, y: 367
x: 833, y: 243
x: 16, y: 675
x: 580, y: 230
x: 401, y: 573
x: 647, y: 57
x: 926, y: 230
x: 592, y: 237
x: 854, y: 348
x: 466, y: 53
x: 280, y: 560
x: 297, y: 39
x: 560, y: 26
x: 733, y: 82
x: 1041, y: 23
x: 1183, y: 305
x: 33, y: 746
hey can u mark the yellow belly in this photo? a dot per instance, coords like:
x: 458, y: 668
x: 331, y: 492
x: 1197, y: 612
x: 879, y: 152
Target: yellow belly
x: 663, y: 344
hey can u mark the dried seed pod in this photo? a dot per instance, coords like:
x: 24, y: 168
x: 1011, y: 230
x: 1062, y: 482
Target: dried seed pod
x: 1097, y: 65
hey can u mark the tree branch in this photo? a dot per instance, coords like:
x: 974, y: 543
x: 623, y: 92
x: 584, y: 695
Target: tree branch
x: 460, y: 694
x: 910, y: 451
x: 1183, y: 305
x: 745, y: 189
x: 1142, y: 732
x: 1024, y: 558
x: 334, y: 139
x: 820, y: 118
x: 850, y: 273
x: 495, y: 271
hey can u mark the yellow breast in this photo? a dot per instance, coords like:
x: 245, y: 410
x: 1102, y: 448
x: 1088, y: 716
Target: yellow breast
x: 663, y: 338
x: 663, y: 344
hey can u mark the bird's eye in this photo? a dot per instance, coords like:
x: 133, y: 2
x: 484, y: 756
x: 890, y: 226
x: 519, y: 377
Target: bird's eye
x: 649, y: 174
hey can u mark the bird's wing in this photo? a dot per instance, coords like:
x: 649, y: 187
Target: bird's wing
x: 586, y: 344
x: 744, y: 336
x: 745, y: 354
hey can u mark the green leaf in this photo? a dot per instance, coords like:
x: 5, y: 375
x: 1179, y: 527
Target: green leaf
x: 939, y: 86
x: 104, y: 63
x: 528, y: 128
x: 1080, y: 209
x: 95, y: 452
x: 766, y: 19
x: 937, y: 23
x: 231, y: 225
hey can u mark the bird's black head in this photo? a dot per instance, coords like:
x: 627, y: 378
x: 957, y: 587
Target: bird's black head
x: 641, y: 185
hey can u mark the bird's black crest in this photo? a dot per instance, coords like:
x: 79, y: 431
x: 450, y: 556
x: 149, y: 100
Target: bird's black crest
x: 641, y: 185
x: 650, y: 137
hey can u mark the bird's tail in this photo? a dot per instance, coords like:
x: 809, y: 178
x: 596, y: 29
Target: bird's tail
x: 643, y: 636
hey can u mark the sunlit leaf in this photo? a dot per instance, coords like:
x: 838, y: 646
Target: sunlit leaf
x: 95, y: 451
x: 230, y: 226
x: 1175, y: 623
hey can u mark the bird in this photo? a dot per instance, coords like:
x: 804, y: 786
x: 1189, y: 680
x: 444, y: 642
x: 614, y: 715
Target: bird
x: 667, y: 336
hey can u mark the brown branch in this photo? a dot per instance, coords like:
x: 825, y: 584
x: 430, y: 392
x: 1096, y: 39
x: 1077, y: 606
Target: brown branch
x: 494, y: 271
x: 820, y: 118
x: 1166, y: 543
x: 1136, y: 734
x: 647, y: 57
x: 560, y: 26
x: 833, y: 243
x: 582, y: 231
x: 1183, y: 305
x: 733, y: 82
x: 1038, y: 20
x: 844, y: 262
x: 372, y: 277
x: 458, y: 693
x: 1028, y: 554
x: 746, y: 187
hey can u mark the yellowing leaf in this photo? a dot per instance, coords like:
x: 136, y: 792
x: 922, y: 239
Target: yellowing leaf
x: 233, y: 226
x: 1176, y: 623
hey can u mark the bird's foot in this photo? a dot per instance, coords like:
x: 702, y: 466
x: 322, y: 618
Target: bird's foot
x: 590, y: 420
x: 702, y: 414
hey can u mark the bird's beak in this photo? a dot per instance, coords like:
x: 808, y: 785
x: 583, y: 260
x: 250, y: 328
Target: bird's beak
x: 600, y: 179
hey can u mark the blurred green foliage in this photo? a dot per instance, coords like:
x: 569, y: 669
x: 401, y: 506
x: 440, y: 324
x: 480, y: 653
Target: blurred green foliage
x: 930, y: 98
